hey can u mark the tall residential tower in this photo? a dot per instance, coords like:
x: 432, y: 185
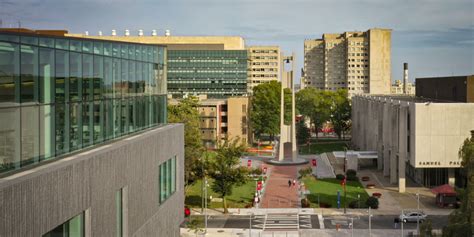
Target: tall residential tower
x: 357, y: 61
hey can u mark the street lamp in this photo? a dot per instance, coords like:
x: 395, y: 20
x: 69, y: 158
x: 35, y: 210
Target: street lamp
x: 370, y: 223
x: 418, y: 217
x: 205, y: 203
x: 358, y: 200
x: 352, y: 226
x: 250, y: 228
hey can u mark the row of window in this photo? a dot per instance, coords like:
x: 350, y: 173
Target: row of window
x: 44, y: 75
x: 145, y: 53
x: 265, y: 63
x: 264, y: 51
x: 265, y: 75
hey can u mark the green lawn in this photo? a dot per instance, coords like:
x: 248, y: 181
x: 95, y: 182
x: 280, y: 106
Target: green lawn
x: 327, y: 189
x: 319, y: 148
x: 240, y: 197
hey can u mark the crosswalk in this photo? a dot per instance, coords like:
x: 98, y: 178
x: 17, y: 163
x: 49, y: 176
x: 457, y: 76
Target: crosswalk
x: 282, y: 222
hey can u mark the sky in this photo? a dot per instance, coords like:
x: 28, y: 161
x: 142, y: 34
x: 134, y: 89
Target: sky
x: 435, y: 37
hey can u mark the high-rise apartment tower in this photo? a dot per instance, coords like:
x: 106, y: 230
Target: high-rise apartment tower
x: 357, y: 61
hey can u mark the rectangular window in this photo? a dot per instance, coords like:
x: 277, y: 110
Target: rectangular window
x: 10, y: 70
x: 119, y: 211
x: 167, y: 179
x: 71, y: 228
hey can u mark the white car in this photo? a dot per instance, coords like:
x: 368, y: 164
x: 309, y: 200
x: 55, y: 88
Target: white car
x: 413, y: 216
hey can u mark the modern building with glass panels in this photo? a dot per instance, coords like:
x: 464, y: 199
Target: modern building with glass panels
x: 215, y: 73
x: 84, y: 142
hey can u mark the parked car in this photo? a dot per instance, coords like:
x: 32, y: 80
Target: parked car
x: 413, y: 216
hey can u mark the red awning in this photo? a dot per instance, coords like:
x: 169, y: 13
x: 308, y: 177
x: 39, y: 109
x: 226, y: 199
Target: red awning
x: 443, y: 189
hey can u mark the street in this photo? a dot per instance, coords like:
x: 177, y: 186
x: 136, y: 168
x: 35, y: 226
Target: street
x: 305, y: 221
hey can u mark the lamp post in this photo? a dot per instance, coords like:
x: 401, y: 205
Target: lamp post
x: 250, y: 227
x: 401, y: 220
x: 418, y: 208
x: 205, y: 204
x: 352, y: 226
x: 370, y: 223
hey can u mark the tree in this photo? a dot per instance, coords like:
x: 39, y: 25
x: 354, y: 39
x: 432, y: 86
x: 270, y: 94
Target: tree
x: 302, y: 132
x: 316, y: 105
x: 460, y: 222
x: 340, y: 112
x: 186, y: 111
x: 265, y: 109
x: 225, y: 168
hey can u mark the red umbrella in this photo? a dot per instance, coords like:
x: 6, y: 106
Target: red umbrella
x: 443, y: 189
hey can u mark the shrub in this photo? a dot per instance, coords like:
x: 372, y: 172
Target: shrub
x: 324, y: 205
x: 340, y: 176
x: 354, y: 204
x: 305, y: 203
x: 352, y: 178
x: 305, y: 172
x: 372, y: 202
x: 351, y: 172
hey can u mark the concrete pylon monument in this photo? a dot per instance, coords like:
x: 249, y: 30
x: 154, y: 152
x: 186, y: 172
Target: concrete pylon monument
x: 287, y: 147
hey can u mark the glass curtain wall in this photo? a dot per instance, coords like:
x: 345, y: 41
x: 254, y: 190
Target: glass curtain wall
x: 59, y: 94
x: 216, y: 73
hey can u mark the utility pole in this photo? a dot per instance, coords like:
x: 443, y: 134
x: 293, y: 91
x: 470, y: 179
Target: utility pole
x: 352, y: 226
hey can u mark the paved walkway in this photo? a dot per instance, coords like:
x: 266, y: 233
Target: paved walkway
x: 277, y: 193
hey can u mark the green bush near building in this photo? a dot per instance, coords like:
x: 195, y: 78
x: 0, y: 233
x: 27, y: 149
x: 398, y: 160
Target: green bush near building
x: 327, y: 189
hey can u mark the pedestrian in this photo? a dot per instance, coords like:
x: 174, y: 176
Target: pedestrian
x: 289, y: 183
x: 294, y: 182
x: 395, y: 222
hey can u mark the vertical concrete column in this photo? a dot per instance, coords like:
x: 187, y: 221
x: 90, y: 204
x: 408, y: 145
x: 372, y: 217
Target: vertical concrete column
x: 393, y: 143
x: 402, y: 147
x: 386, y: 138
x: 379, y: 135
x: 355, y: 120
x: 294, y: 153
x: 283, y: 137
x: 451, y: 177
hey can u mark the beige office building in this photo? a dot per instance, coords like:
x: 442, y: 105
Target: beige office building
x: 263, y: 66
x: 357, y: 61
x: 221, y: 118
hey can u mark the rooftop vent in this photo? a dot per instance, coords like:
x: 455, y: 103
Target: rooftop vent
x: 100, y: 33
x: 86, y: 32
x: 153, y: 33
x: 167, y: 32
x: 140, y: 32
x: 114, y: 32
x: 127, y: 33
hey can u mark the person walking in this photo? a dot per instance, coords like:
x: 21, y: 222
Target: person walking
x: 294, y: 182
x: 289, y: 183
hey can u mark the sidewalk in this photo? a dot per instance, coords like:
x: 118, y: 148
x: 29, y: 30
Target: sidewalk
x: 211, y: 232
x: 277, y: 193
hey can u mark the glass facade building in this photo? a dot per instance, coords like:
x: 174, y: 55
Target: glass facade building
x: 62, y: 94
x: 216, y: 73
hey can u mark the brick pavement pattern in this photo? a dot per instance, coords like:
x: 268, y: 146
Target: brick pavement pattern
x: 277, y: 193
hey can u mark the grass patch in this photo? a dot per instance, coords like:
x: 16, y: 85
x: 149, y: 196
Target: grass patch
x: 319, y: 148
x: 327, y: 189
x: 241, y: 195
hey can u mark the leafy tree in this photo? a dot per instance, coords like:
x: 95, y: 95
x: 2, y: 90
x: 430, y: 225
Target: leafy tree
x: 314, y: 104
x: 225, y: 168
x: 302, y: 132
x: 340, y: 112
x: 460, y: 222
x: 265, y: 110
x: 186, y: 111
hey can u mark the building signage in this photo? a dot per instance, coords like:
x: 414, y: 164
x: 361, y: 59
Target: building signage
x: 438, y: 163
